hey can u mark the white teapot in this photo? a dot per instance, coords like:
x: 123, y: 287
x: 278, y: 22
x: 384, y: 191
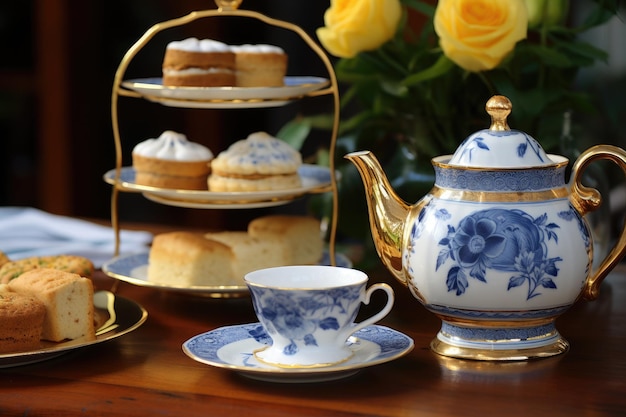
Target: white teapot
x: 499, y: 248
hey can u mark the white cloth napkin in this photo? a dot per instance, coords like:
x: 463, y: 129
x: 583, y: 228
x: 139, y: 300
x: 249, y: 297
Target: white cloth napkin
x: 26, y: 231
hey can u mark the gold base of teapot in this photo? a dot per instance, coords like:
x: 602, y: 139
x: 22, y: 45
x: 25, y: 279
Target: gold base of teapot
x: 493, y: 344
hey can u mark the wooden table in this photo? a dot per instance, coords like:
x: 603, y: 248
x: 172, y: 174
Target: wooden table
x: 145, y: 373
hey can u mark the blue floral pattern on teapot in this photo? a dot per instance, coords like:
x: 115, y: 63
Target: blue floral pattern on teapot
x: 502, y: 240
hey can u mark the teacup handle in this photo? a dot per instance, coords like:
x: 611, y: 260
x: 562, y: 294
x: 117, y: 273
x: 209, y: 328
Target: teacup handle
x: 586, y: 199
x: 382, y: 313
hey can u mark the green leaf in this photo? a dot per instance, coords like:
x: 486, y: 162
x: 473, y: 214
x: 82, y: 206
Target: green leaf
x: 323, y: 157
x: 394, y: 88
x: 605, y: 10
x: 295, y: 132
x: 439, y: 68
x: 321, y: 121
x: 354, y: 122
x: 549, y: 56
x: 583, y: 53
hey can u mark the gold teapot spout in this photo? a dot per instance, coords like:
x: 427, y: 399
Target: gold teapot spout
x: 387, y: 212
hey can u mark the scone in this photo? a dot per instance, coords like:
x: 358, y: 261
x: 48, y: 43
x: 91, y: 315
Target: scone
x: 68, y: 263
x: 198, y: 63
x: 260, y: 65
x: 68, y: 300
x: 3, y: 258
x: 185, y: 259
x: 258, y: 163
x: 301, y: 236
x: 172, y: 161
x: 251, y: 253
x: 21, y: 321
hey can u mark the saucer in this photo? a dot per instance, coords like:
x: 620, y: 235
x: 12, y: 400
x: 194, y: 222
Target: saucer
x: 232, y: 347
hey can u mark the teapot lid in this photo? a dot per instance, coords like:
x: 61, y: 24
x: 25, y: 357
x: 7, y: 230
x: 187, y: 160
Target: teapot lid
x: 499, y: 146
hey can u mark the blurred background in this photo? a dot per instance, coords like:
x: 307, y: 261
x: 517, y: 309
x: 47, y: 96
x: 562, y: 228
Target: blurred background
x: 56, y: 77
x: 56, y: 80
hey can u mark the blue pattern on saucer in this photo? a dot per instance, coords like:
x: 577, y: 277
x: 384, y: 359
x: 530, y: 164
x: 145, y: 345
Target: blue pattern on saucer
x: 232, y: 347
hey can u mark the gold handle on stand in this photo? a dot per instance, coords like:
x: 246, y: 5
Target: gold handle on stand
x: 228, y: 4
x: 585, y: 199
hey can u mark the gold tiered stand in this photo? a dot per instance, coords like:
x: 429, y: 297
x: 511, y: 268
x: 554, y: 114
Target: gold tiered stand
x: 224, y: 8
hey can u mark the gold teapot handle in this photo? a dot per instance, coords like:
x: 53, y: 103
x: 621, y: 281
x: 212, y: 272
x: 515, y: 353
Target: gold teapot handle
x: 585, y: 199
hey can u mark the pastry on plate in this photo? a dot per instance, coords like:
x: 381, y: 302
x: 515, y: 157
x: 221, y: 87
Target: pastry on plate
x: 301, y: 236
x: 68, y: 263
x: 172, y: 161
x: 260, y: 65
x: 251, y: 253
x: 21, y: 321
x: 3, y: 258
x: 68, y: 300
x: 198, y: 63
x: 258, y: 163
x: 187, y: 259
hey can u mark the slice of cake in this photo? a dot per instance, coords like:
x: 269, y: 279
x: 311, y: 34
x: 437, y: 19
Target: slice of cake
x: 186, y: 259
x: 68, y: 299
x: 301, y: 234
x: 258, y: 163
x: 260, y: 65
x: 172, y: 161
x: 198, y: 63
x: 251, y: 253
x: 21, y: 321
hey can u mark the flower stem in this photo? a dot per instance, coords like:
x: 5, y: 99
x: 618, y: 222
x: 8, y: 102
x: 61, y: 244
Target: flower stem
x: 544, y: 41
x: 401, y: 69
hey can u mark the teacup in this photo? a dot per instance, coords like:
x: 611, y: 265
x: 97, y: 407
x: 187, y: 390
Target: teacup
x: 309, y: 311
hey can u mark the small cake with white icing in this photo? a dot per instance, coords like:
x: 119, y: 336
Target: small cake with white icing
x: 258, y: 163
x: 198, y: 63
x: 260, y: 65
x: 172, y: 161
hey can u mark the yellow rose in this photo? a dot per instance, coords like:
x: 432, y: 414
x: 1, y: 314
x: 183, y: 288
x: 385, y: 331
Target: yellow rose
x: 353, y: 26
x: 478, y: 34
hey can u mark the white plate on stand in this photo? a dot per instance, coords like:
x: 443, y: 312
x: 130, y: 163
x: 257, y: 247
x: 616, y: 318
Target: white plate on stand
x: 294, y: 87
x: 231, y: 348
x: 175, y: 202
x: 134, y: 270
x: 314, y: 179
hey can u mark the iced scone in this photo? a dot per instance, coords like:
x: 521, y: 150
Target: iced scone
x: 258, y: 163
x: 260, y: 65
x: 172, y: 161
x: 198, y: 63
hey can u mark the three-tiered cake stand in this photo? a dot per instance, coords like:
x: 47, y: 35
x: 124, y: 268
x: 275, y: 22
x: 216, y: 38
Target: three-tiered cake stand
x: 315, y: 178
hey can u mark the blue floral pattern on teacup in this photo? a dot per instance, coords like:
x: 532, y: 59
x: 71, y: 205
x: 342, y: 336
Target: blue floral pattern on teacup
x: 298, y: 317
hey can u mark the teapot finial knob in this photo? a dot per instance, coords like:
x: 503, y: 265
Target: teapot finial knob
x: 499, y: 107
